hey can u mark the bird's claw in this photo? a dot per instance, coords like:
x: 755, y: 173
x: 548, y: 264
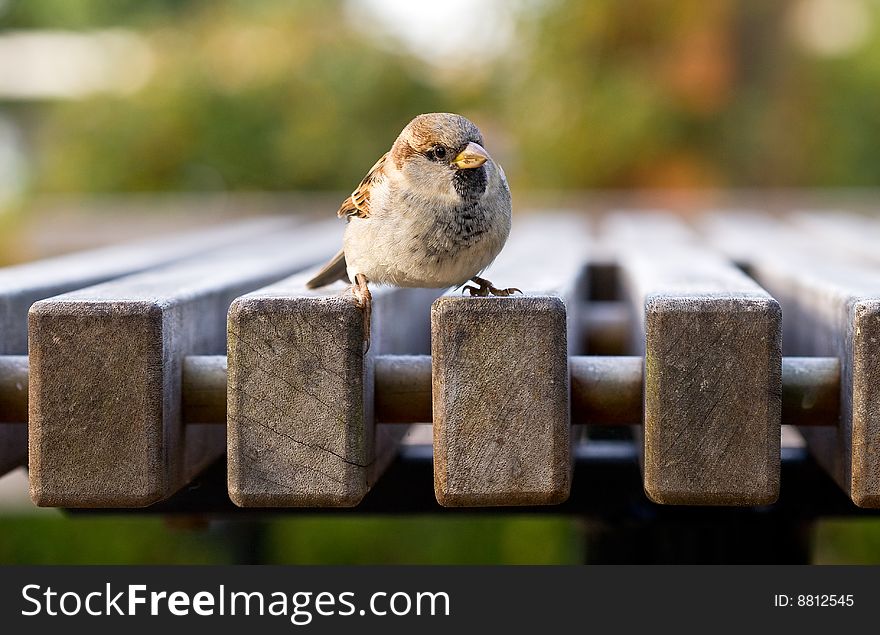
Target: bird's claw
x: 504, y: 292
x: 486, y: 288
x: 364, y: 301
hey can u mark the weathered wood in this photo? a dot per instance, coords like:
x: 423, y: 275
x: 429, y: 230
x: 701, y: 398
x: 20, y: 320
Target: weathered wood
x: 845, y: 236
x: 301, y: 424
x: 832, y: 309
x: 711, y: 339
x: 106, y: 372
x: 500, y: 373
x: 22, y: 285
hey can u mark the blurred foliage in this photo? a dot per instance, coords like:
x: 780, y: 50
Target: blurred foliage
x: 424, y: 540
x: 281, y: 95
x: 270, y: 95
x: 695, y: 94
x: 847, y: 541
x: 55, y: 539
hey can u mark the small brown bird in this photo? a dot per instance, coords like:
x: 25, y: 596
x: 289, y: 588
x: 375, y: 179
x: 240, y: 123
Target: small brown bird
x: 434, y: 211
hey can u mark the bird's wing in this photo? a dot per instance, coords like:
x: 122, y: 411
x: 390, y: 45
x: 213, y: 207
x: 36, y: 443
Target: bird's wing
x: 358, y: 204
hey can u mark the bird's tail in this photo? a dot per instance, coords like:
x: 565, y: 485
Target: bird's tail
x: 331, y: 272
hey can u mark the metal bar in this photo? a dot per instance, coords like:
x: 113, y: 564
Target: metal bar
x: 13, y: 409
x: 403, y: 389
x: 810, y: 391
x: 605, y: 391
x: 203, y: 398
x: 13, y: 389
x: 607, y: 327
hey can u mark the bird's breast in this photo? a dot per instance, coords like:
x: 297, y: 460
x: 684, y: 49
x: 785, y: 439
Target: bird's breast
x: 411, y: 243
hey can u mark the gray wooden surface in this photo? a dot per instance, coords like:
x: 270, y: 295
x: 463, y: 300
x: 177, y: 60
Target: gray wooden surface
x: 105, y: 377
x: 500, y: 373
x: 831, y: 303
x: 301, y: 429
x: 711, y: 338
x: 22, y: 285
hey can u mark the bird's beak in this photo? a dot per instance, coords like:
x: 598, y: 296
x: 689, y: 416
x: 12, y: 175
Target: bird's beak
x: 473, y: 156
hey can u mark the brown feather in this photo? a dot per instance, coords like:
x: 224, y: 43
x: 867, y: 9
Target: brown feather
x: 358, y: 204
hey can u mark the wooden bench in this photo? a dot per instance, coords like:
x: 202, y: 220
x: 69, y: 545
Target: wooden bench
x: 148, y: 363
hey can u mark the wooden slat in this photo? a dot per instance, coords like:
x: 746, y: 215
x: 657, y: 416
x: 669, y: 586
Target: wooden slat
x: 105, y: 376
x: 22, y: 285
x: 301, y: 424
x: 711, y: 341
x: 832, y: 309
x: 500, y: 373
x: 845, y: 236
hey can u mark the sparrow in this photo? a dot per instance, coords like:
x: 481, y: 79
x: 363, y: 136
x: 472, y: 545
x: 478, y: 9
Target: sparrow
x: 434, y: 211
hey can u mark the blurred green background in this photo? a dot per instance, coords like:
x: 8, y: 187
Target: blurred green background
x: 126, y: 100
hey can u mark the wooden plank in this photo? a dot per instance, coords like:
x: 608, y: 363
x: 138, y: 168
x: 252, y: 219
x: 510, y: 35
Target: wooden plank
x: 711, y: 341
x: 847, y: 236
x: 300, y: 391
x: 832, y: 309
x: 106, y: 372
x: 22, y: 285
x: 500, y: 373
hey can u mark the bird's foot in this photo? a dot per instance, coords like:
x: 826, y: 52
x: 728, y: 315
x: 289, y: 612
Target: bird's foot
x: 364, y: 300
x: 486, y: 288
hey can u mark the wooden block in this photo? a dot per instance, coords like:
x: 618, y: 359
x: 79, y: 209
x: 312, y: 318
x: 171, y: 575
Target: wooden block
x: 106, y: 369
x: 832, y: 309
x: 301, y: 425
x: 22, y: 285
x: 501, y: 401
x: 711, y: 338
x: 500, y: 373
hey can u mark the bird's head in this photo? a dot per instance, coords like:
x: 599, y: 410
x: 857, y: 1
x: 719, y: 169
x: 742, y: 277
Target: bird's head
x: 442, y: 154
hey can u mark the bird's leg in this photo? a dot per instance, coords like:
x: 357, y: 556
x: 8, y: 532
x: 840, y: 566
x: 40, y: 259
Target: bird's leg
x: 486, y: 288
x: 365, y: 301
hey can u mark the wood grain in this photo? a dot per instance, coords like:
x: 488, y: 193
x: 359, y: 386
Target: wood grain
x: 300, y: 392
x: 501, y: 398
x: 22, y: 285
x: 832, y: 309
x: 106, y: 372
x: 711, y: 338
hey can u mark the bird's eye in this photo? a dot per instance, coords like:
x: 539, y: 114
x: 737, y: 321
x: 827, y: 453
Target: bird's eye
x: 439, y: 152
